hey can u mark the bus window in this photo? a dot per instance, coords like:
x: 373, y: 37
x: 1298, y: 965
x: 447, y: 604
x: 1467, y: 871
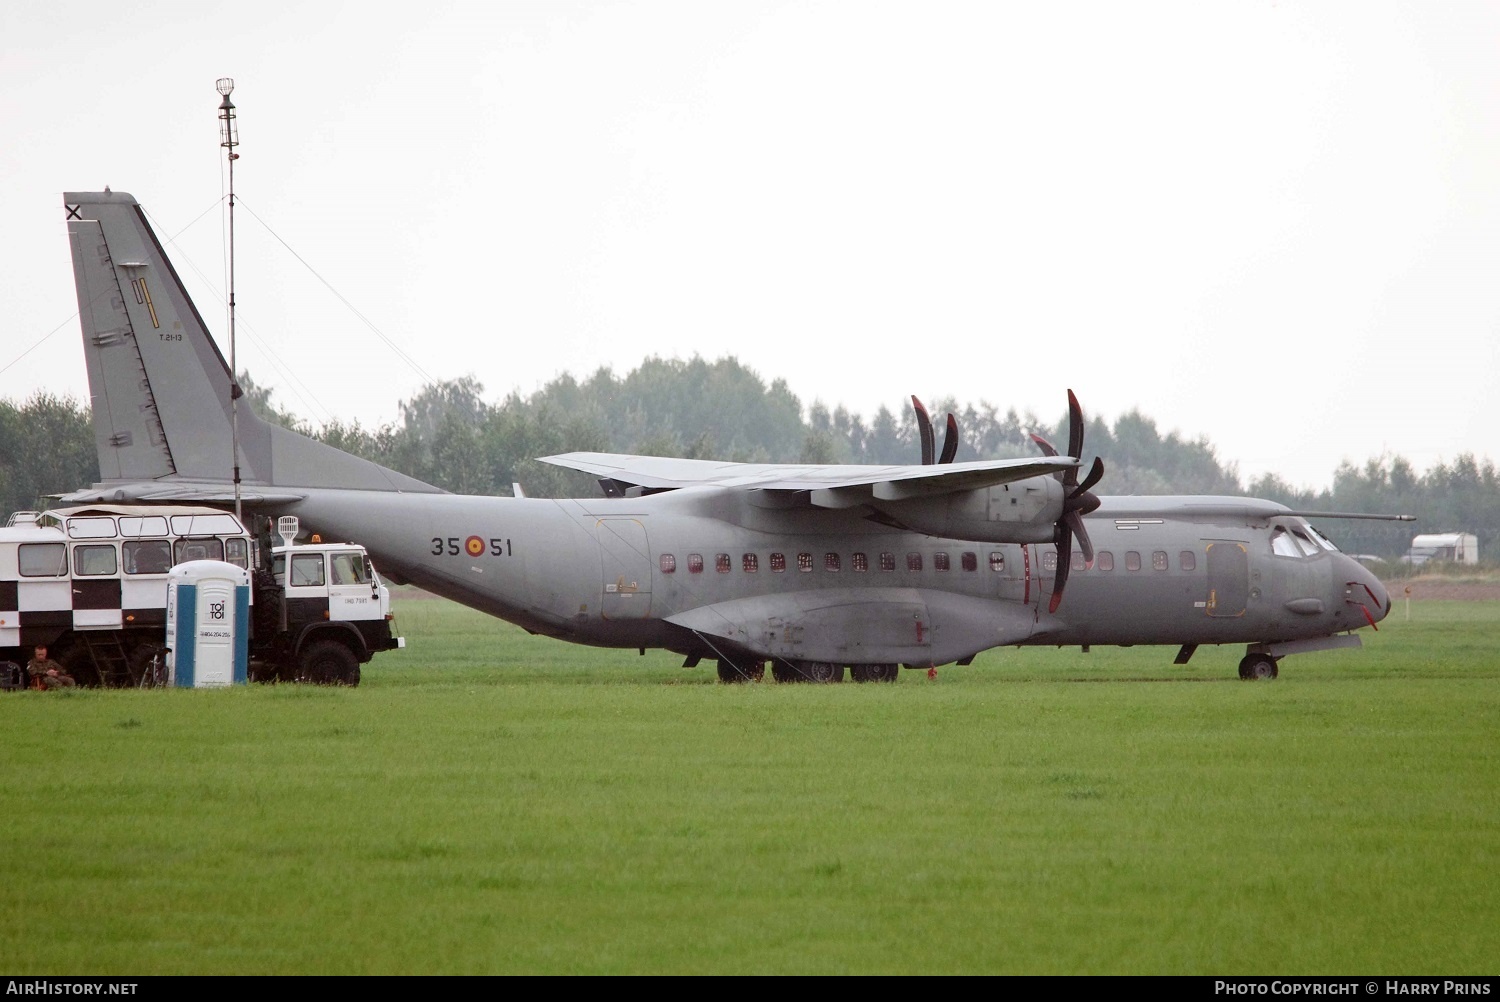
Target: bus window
x: 42, y: 560
x: 148, y: 556
x: 95, y: 559
x: 198, y: 548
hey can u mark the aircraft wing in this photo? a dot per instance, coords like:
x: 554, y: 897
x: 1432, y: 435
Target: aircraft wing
x: 825, y: 486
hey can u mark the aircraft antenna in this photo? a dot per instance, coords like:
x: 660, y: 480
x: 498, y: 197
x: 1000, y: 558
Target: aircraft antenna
x: 229, y: 138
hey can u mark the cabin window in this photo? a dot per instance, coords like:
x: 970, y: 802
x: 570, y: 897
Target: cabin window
x: 722, y: 563
x: 668, y: 562
x: 750, y: 563
x: 1132, y: 560
x: 997, y: 561
x: 91, y: 560
x: 1309, y: 548
x: 1049, y: 560
x: 859, y: 563
x: 42, y: 560
x: 206, y: 548
x: 1187, y: 560
x: 1105, y: 561
x: 969, y: 561
x: 887, y: 561
x: 695, y: 563
x: 1158, y: 560
x: 148, y: 556
x: 307, y: 570
x: 100, y: 527
x: 914, y: 561
x: 804, y: 563
x: 940, y: 561
x: 237, y: 552
x: 831, y: 562
x: 1079, y: 564
x: 778, y: 563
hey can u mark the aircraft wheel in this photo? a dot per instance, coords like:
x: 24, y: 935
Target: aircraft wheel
x: 782, y: 671
x: 1257, y: 666
x: 874, y: 673
x: 330, y: 663
x: 741, y: 670
x: 821, y: 672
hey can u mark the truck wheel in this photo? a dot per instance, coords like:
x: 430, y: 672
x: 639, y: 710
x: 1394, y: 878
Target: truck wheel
x: 329, y: 662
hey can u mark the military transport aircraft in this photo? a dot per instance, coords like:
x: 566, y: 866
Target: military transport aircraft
x: 813, y: 569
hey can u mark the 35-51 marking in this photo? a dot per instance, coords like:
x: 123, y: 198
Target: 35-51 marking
x: 473, y: 546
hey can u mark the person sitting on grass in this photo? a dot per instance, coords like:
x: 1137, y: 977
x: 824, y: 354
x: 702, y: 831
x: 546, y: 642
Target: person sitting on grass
x: 46, y: 673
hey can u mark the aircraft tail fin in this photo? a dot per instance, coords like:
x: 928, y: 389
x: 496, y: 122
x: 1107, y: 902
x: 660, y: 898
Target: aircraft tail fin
x: 160, y: 388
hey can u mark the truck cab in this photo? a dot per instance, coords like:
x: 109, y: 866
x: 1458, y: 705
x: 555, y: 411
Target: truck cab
x: 327, y: 608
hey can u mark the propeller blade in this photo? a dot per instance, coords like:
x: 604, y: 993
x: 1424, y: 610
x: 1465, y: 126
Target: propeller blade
x: 1075, y: 427
x: 924, y: 428
x: 1046, y: 446
x: 1064, y: 561
x: 1095, y: 472
x: 1075, y: 522
x: 950, y: 441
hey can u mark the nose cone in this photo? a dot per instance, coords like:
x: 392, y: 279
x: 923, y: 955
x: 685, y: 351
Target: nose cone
x: 1365, y: 590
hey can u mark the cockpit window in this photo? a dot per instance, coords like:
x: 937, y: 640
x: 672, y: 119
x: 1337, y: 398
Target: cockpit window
x: 1294, y: 541
x: 1305, y: 543
x: 1321, y: 539
x: 1282, y: 545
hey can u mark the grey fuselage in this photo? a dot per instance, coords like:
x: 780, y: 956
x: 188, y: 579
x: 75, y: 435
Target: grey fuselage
x: 625, y: 573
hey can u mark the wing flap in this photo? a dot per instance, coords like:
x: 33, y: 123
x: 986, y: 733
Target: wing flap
x: 786, y: 485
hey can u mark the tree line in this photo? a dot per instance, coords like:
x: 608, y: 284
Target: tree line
x: 449, y: 435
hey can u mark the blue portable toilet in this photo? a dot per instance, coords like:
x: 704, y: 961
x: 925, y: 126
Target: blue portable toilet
x: 208, y: 624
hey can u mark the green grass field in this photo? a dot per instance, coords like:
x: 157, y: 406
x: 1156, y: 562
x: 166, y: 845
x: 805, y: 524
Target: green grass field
x: 493, y: 803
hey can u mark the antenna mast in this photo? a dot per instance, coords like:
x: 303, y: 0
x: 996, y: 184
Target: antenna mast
x: 229, y: 138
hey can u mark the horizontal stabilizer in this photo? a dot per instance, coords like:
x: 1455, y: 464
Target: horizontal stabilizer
x: 159, y: 492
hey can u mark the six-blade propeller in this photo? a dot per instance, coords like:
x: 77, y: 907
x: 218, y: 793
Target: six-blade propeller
x: 1078, y: 497
x: 1078, y: 501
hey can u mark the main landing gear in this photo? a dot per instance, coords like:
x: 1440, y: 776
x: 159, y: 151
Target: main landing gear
x: 743, y: 669
x: 746, y: 669
x: 1257, y: 666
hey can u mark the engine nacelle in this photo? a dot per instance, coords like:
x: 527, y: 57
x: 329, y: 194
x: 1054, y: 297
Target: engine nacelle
x: 1025, y: 511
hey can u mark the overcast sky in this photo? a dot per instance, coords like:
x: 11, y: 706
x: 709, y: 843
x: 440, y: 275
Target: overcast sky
x: 1275, y: 225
